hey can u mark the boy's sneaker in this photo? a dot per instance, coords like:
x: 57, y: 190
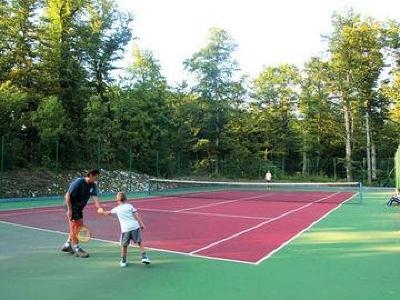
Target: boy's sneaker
x: 123, y: 264
x: 67, y: 248
x: 146, y: 260
x: 81, y: 253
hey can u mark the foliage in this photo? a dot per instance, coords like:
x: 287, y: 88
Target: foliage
x: 58, y: 69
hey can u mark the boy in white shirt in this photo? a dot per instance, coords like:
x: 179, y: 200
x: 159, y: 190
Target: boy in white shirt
x: 131, y: 226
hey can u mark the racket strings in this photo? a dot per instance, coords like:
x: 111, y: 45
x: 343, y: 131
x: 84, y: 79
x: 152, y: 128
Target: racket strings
x: 84, y: 235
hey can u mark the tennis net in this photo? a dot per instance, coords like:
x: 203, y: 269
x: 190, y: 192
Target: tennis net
x: 349, y: 192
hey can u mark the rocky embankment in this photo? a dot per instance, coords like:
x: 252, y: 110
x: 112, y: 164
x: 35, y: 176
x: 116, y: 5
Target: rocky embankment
x: 28, y: 183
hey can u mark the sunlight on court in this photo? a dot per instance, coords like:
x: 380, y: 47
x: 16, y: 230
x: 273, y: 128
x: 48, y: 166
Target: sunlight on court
x: 333, y: 237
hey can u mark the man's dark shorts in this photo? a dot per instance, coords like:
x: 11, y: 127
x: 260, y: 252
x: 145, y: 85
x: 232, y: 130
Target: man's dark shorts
x: 133, y: 235
x: 77, y: 213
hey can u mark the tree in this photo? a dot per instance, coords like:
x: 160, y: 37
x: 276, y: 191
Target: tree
x: 275, y: 92
x: 52, y: 125
x: 13, y: 122
x: 18, y: 42
x: 319, y: 119
x: 144, y: 113
x: 50, y: 119
x: 106, y: 34
x: 356, y: 65
x: 215, y: 69
x: 61, y: 50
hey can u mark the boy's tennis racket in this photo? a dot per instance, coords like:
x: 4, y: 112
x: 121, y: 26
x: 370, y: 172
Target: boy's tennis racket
x: 84, y: 234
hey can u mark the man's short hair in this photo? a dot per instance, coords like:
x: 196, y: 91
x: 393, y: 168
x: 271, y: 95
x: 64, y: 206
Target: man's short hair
x: 93, y: 172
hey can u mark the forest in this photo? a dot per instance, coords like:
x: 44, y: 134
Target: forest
x: 67, y: 104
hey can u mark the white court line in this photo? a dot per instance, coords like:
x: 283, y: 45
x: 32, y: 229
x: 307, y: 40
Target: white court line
x: 204, y: 214
x: 302, y: 231
x: 117, y: 243
x: 16, y: 213
x: 261, y: 224
x: 197, y: 255
x: 29, y: 211
x: 223, y: 202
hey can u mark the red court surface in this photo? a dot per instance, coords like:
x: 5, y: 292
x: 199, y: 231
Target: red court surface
x: 245, y: 227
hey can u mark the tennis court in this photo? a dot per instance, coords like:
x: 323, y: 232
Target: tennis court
x: 241, y: 242
x: 248, y: 228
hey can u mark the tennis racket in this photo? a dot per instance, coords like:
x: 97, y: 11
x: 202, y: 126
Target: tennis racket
x: 84, y: 234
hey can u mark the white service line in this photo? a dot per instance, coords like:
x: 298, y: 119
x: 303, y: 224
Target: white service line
x: 224, y: 202
x: 261, y: 224
x: 35, y: 211
x: 203, y: 213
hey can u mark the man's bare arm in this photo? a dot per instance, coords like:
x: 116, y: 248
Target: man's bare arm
x: 68, y: 203
x: 96, y: 201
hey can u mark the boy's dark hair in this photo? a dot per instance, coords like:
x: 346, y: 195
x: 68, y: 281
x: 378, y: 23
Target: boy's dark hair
x: 93, y: 172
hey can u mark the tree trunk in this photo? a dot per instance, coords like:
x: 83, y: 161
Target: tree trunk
x: 217, y: 145
x: 266, y: 154
x: 373, y: 159
x: 347, y: 122
x: 367, y: 131
x: 304, y: 171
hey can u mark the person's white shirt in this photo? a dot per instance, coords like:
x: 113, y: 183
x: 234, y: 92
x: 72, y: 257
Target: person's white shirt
x: 126, y: 218
x: 268, y: 176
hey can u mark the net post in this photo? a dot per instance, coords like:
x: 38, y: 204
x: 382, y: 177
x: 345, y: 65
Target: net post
x: 361, y: 193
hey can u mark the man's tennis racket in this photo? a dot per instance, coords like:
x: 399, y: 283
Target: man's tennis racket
x: 84, y: 234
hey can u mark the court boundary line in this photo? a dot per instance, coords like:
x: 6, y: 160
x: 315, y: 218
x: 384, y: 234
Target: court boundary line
x: 188, y: 254
x: 261, y: 224
x: 281, y: 246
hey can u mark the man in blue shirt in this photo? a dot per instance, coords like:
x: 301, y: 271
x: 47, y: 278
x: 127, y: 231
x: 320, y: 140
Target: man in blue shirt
x: 76, y: 198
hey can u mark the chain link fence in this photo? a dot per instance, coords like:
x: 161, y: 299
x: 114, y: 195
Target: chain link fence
x: 49, y: 169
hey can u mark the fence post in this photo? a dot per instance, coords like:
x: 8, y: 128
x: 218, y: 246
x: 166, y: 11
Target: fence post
x: 334, y: 169
x: 158, y: 164
x: 98, y: 154
x: 57, y: 175
x: 363, y: 168
x: 130, y: 170
x: 1, y: 165
x: 283, y: 166
x: 178, y: 161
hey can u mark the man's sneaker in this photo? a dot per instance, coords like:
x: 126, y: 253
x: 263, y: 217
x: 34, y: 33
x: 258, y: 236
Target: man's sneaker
x: 67, y: 248
x: 146, y: 260
x: 81, y: 253
x: 123, y: 264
